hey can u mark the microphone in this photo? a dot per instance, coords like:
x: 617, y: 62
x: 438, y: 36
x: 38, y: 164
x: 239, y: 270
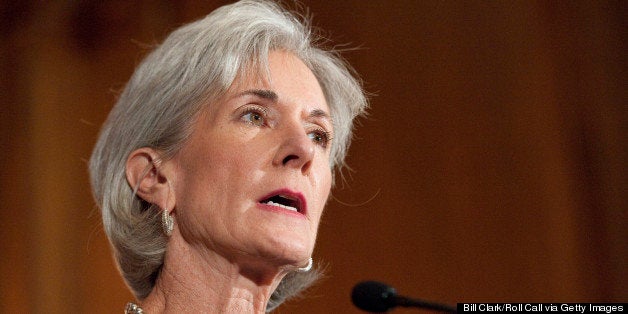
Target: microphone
x: 373, y: 296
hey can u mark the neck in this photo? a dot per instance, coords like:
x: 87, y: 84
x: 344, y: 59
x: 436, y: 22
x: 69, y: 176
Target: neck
x: 204, y: 282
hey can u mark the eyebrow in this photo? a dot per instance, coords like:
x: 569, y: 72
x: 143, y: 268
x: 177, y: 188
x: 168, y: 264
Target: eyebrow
x: 318, y: 113
x: 262, y: 93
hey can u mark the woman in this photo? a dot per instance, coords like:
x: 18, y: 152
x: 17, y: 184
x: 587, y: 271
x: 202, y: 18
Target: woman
x: 213, y: 168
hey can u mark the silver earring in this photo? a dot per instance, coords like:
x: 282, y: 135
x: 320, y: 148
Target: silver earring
x: 167, y: 223
x: 307, y: 267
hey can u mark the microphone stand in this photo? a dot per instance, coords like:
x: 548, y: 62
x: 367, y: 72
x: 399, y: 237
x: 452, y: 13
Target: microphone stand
x: 407, y: 302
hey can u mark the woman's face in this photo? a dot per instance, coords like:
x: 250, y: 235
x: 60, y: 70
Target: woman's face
x: 252, y: 180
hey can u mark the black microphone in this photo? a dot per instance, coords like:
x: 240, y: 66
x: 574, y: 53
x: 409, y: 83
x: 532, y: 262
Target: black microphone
x: 373, y: 296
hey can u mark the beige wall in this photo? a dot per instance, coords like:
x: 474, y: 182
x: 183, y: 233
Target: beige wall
x: 492, y: 167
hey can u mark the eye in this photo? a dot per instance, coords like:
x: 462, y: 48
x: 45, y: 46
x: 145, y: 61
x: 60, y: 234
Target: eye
x: 254, y: 116
x: 320, y: 137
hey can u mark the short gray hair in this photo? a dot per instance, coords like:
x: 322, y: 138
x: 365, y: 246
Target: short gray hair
x: 194, y: 66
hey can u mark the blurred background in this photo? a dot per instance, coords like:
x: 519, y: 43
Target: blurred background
x: 492, y: 166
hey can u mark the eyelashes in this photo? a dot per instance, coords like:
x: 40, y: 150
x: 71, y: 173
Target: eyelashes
x: 320, y: 137
x: 255, y: 115
x: 258, y: 116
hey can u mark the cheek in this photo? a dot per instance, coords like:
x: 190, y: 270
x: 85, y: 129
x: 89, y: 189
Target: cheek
x: 220, y: 157
x: 323, y: 188
x: 219, y: 174
x: 326, y: 186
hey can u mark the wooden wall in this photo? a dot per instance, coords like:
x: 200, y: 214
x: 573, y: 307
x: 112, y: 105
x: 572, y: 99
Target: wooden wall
x: 492, y: 167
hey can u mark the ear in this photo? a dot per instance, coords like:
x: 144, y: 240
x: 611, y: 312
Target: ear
x: 149, y: 178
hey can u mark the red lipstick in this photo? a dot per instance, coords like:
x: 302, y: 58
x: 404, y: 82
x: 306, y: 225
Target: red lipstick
x: 285, y: 200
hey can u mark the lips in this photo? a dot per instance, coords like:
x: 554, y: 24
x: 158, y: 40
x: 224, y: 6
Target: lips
x: 287, y: 200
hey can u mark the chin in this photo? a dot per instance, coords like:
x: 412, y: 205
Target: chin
x: 289, y: 250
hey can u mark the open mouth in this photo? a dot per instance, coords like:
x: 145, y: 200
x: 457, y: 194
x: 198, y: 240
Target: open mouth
x: 286, y: 201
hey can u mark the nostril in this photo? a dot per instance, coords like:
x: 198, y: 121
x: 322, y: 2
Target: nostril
x: 288, y: 158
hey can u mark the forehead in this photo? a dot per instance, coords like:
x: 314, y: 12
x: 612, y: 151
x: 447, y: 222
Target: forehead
x: 287, y: 77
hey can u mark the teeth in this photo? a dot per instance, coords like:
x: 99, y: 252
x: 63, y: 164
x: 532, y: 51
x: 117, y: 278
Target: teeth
x: 282, y: 206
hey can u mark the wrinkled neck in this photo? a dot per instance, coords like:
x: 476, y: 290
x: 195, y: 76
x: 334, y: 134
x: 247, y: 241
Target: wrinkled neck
x: 201, y: 281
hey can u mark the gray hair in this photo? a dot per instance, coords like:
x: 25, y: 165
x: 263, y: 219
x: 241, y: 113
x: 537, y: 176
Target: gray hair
x: 194, y: 66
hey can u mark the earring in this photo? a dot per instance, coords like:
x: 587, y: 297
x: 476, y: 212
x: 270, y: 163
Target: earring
x: 167, y: 223
x: 307, y: 267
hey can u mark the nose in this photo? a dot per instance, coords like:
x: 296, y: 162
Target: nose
x: 296, y: 150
